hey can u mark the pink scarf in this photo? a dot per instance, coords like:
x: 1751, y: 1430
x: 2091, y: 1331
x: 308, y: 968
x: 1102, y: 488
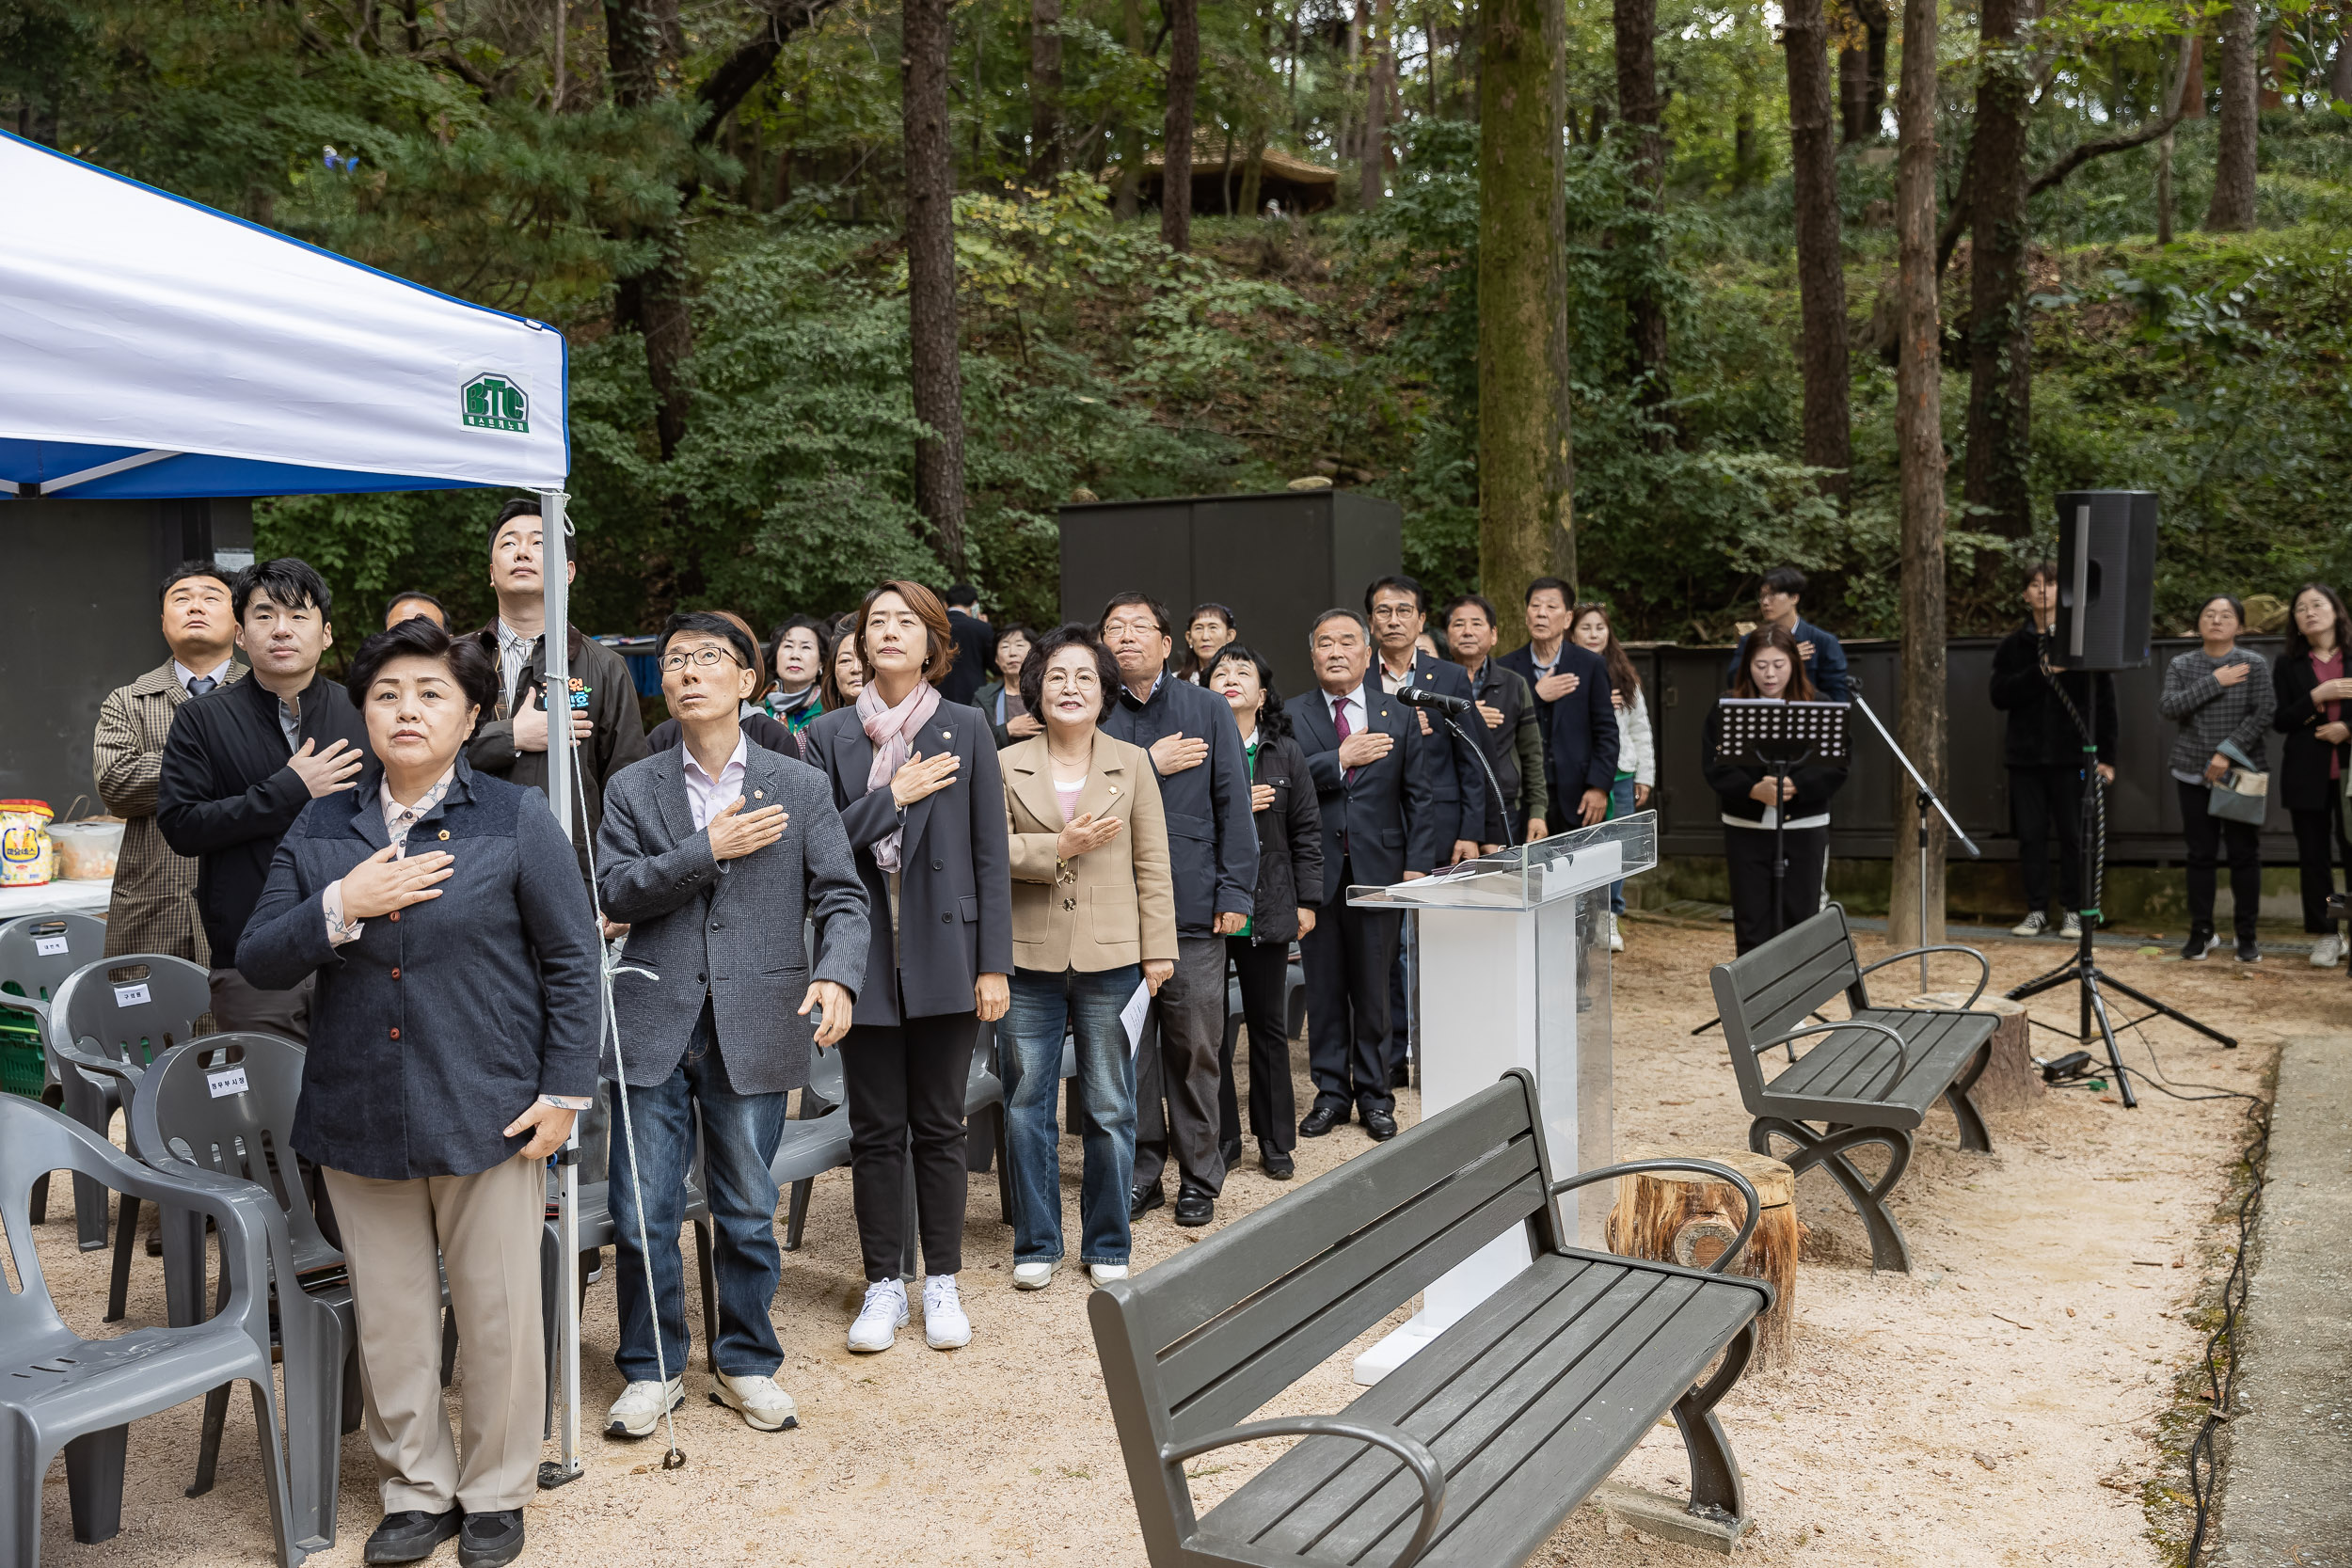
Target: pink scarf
x: 893, y: 730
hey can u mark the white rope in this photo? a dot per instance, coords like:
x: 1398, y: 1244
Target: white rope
x: 611, y: 964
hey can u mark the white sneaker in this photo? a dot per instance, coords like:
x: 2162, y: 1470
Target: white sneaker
x: 763, y: 1406
x: 2032, y: 926
x: 2071, y: 927
x: 944, y: 1327
x: 1617, y: 942
x: 2328, y: 951
x: 882, y: 1317
x: 1102, y: 1273
x: 640, y: 1407
x: 1032, y: 1276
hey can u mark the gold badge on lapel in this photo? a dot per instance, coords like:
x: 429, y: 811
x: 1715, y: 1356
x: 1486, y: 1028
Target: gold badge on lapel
x: 759, y: 795
x: 445, y: 832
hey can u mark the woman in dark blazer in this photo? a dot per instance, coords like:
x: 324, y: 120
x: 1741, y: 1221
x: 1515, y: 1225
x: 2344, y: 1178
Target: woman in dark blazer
x: 454, y: 1038
x: 1290, y: 886
x: 1770, y: 667
x: 916, y: 782
x: 2315, y: 699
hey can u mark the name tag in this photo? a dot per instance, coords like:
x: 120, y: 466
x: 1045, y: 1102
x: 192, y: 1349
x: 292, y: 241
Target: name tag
x: 132, y: 997
x: 49, y: 947
x: 227, y: 1081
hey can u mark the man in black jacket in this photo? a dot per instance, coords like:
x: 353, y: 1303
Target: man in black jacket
x: 975, y: 645
x: 1213, y: 857
x: 511, y: 743
x: 241, y: 762
x: 2045, y: 752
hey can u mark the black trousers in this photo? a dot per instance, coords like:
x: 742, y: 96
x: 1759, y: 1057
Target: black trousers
x: 1265, y: 974
x: 906, y: 1082
x: 2209, y: 837
x: 2043, y: 800
x: 2320, y: 847
x: 1348, y: 958
x: 1748, y: 854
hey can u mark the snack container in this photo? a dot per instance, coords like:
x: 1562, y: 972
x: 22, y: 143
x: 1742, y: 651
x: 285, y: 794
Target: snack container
x: 26, y: 856
x: 87, y: 850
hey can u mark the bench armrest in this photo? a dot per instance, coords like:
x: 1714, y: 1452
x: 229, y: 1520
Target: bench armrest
x: 1411, y: 1450
x: 1902, y: 1053
x: 1982, y: 962
x: 1634, y: 1168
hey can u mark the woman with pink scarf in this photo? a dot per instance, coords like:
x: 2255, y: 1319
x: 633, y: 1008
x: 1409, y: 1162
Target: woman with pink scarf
x: 916, y: 781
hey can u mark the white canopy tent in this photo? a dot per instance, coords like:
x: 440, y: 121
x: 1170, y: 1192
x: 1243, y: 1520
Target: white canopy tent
x: 152, y: 347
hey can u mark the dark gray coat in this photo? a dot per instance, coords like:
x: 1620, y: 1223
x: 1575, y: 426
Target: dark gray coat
x: 732, y: 931
x: 441, y: 1022
x: 955, y: 912
x: 1212, y: 843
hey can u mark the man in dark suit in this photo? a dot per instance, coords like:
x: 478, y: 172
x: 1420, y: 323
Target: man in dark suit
x: 975, y: 645
x: 1538, y: 665
x: 712, y: 852
x: 1379, y: 826
x: 1213, y: 855
x: 1581, y: 739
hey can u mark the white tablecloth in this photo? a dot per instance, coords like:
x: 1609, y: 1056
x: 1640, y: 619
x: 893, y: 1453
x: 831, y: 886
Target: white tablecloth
x: 88, y: 897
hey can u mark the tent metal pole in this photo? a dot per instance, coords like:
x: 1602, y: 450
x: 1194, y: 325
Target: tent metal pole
x: 554, y: 533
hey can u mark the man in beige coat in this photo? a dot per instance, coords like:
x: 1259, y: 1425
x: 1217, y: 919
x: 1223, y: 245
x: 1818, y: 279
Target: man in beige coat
x: 153, y: 909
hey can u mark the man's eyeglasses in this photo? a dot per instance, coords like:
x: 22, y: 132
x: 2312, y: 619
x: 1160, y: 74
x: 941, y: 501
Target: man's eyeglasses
x: 705, y: 657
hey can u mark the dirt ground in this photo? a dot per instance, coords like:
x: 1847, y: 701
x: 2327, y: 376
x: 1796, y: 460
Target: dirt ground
x: 1995, y: 1407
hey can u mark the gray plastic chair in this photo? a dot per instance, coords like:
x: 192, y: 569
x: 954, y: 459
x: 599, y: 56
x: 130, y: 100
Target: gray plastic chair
x: 30, y: 979
x: 226, y: 1104
x: 110, y: 1018
x: 58, y: 1390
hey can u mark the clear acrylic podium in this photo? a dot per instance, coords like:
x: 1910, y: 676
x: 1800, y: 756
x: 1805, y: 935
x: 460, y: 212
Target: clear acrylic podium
x: 1514, y: 972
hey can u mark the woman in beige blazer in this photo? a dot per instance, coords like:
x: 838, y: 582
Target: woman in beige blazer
x: 1093, y: 929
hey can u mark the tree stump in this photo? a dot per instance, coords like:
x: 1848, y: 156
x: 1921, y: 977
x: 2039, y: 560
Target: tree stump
x: 1686, y: 1218
x: 2010, y: 1081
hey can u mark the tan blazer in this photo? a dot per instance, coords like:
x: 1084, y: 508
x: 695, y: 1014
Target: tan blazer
x: 1110, y: 907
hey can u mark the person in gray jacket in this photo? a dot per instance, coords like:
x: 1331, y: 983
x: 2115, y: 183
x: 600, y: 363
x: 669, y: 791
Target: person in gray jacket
x: 712, y: 853
x: 2218, y: 694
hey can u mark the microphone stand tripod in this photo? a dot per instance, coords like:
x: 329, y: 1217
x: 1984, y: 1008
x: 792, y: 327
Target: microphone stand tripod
x: 1925, y: 799
x: 2083, y: 968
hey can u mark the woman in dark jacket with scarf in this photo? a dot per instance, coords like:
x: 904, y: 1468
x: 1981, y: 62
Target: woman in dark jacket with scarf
x: 454, y: 1038
x: 2314, y: 687
x: 1770, y: 668
x: 1289, y: 887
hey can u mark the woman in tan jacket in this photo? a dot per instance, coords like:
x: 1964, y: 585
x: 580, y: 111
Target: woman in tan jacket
x: 1093, y: 929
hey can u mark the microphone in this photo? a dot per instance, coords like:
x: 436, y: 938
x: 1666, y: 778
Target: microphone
x: 1436, y: 702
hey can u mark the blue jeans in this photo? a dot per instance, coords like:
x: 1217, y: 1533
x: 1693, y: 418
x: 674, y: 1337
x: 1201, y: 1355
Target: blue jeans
x: 740, y: 1132
x: 1089, y: 1005
x: 1620, y: 804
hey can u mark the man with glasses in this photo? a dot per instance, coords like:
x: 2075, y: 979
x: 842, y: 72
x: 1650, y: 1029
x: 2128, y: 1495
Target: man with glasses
x: 1776, y: 601
x: 242, y: 761
x: 1213, y: 857
x: 608, y: 727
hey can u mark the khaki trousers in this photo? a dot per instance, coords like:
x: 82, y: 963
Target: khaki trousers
x: 485, y: 1228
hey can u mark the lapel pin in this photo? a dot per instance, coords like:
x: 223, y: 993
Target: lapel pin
x: 445, y: 832
x: 759, y: 795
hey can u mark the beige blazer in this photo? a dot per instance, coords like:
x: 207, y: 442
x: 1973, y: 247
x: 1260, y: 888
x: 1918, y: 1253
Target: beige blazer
x: 1110, y: 907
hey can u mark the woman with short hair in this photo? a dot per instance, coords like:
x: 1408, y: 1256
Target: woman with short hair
x: 799, y: 652
x: 1093, y: 922
x: 2221, y: 695
x: 1000, y: 699
x: 2313, y: 694
x: 1210, y: 627
x: 1754, y: 803
x: 1290, y: 889
x: 454, y: 1038
x: 915, y: 780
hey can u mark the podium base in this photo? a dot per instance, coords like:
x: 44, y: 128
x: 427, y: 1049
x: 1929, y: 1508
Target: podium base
x: 1398, y: 1348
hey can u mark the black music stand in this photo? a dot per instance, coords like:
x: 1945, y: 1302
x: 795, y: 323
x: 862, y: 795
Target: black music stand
x: 1781, y: 736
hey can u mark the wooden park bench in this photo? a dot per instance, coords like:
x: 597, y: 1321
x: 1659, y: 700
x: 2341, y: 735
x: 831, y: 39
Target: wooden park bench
x: 1866, y: 1078
x: 1472, y: 1452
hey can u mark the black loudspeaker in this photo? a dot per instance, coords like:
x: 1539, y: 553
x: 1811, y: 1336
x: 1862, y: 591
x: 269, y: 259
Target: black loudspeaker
x: 2106, y: 564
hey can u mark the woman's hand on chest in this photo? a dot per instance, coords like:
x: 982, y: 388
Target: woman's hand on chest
x: 387, y: 880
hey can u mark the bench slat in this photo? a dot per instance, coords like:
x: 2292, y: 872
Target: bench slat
x: 1540, y: 1391
x: 1217, y: 1375
x: 1194, y: 1288
x: 1851, y: 1068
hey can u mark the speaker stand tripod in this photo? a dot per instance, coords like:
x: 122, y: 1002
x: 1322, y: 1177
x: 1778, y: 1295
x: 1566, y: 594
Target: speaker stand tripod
x: 2083, y: 968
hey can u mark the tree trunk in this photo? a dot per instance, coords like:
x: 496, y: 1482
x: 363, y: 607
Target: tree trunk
x: 1044, y: 91
x: 1691, y: 1219
x: 2340, y: 74
x: 641, y: 47
x: 1821, y: 265
x: 2195, y: 107
x: 1743, y: 149
x: 2234, y: 169
x: 1853, y: 88
x: 1635, y: 24
x: 1919, y: 441
x: 2000, y: 343
x: 1252, y: 176
x: 1184, y: 82
x: 931, y: 336
x: 1874, y: 25
x: 1126, y: 200
x: 1372, y: 182
x: 1525, y: 511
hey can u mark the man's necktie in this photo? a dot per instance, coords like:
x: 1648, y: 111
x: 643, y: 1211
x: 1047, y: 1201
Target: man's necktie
x: 1339, y: 723
x: 200, y: 685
